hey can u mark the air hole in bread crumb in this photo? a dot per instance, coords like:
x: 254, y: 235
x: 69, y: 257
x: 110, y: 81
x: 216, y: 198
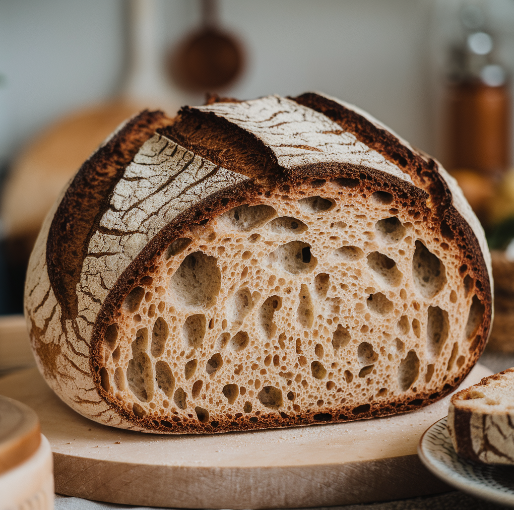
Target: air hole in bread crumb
x: 349, y: 253
x: 408, y: 371
x: 197, y: 388
x: 294, y: 257
x: 119, y: 379
x: 104, y: 379
x: 318, y: 350
x: 453, y: 297
x: 287, y: 225
x: 133, y: 299
x: 270, y: 397
x: 379, y: 304
x: 239, y: 341
x: 475, y: 318
x: 202, y: 414
x: 159, y: 336
x: 190, y: 368
x: 266, y: 313
x: 382, y: 197
x: 384, y: 269
x: 403, y: 325
x: 222, y: 341
x: 428, y: 272
x: 430, y: 373
x: 240, y: 306
x: 305, y: 311
x: 340, y: 338
x: 164, y: 378
x: 177, y: 246
x: 365, y: 354
x: 315, y: 204
x: 140, y: 344
x: 438, y: 327
x: 180, y: 398
x: 111, y: 336
x: 247, y: 407
x: 322, y: 417
x: 362, y: 409
x: 468, y: 285
x: 245, y: 217
x: 214, y: 364
x: 138, y: 410
x: 348, y: 376
x: 197, y: 281
x: 366, y: 371
x: 318, y: 370
x: 390, y: 230
x: 347, y: 182
x: 453, y: 356
x: 231, y: 392
x: 416, y: 327
x: 400, y: 346
x: 474, y: 394
x: 139, y: 377
x: 193, y: 330
x: 322, y: 284
x: 460, y: 361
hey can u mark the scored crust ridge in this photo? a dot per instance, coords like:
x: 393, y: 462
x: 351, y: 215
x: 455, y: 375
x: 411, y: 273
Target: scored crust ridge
x: 254, y: 264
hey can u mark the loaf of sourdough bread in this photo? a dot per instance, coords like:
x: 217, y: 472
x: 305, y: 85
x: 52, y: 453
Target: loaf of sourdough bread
x: 266, y: 263
x: 481, y: 420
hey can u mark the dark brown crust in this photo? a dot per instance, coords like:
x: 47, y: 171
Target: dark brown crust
x: 223, y: 143
x: 407, y: 196
x: 226, y: 145
x: 462, y: 428
x: 83, y: 205
x: 423, y: 171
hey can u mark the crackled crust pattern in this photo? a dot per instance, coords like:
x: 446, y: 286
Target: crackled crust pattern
x: 276, y: 121
x: 208, y: 301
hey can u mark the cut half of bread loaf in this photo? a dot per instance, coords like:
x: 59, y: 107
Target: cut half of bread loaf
x: 481, y: 420
x: 265, y: 263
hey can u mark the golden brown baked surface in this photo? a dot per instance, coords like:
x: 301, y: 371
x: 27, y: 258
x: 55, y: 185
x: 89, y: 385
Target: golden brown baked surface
x: 274, y: 262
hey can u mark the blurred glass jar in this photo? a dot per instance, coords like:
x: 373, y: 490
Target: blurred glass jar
x: 469, y: 43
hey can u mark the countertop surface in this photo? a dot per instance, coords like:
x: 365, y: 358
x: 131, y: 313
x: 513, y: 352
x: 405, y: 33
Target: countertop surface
x: 454, y: 500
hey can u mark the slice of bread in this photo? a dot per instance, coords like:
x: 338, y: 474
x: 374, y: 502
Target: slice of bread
x: 481, y: 420
x: 266, y: 263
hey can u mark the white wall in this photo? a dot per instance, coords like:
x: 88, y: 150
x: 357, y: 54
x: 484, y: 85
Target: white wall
x: 58, y: 55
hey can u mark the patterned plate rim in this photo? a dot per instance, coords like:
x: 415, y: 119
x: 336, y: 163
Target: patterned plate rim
x: 458, y: 480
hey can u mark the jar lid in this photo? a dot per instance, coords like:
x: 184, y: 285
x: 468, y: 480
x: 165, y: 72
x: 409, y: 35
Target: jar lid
x: 20, y: 434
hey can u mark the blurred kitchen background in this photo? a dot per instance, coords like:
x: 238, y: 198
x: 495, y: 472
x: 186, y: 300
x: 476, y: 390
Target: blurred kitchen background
x: 438, y: 72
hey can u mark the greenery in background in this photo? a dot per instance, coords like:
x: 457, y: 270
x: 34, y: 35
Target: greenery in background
x: 501, y: 235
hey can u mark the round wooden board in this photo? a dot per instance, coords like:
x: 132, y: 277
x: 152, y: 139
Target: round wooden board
x: 19, y: 433
x: 325, y: 465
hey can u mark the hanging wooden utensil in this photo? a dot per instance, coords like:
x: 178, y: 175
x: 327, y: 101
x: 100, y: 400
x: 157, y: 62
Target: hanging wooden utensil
x: 210, y: 58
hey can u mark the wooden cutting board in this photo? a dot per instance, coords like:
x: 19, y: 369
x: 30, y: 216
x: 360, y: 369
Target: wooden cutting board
x: 335, y: 464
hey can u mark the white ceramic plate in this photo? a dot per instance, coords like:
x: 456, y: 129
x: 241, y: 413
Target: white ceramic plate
x: 494, y: 483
